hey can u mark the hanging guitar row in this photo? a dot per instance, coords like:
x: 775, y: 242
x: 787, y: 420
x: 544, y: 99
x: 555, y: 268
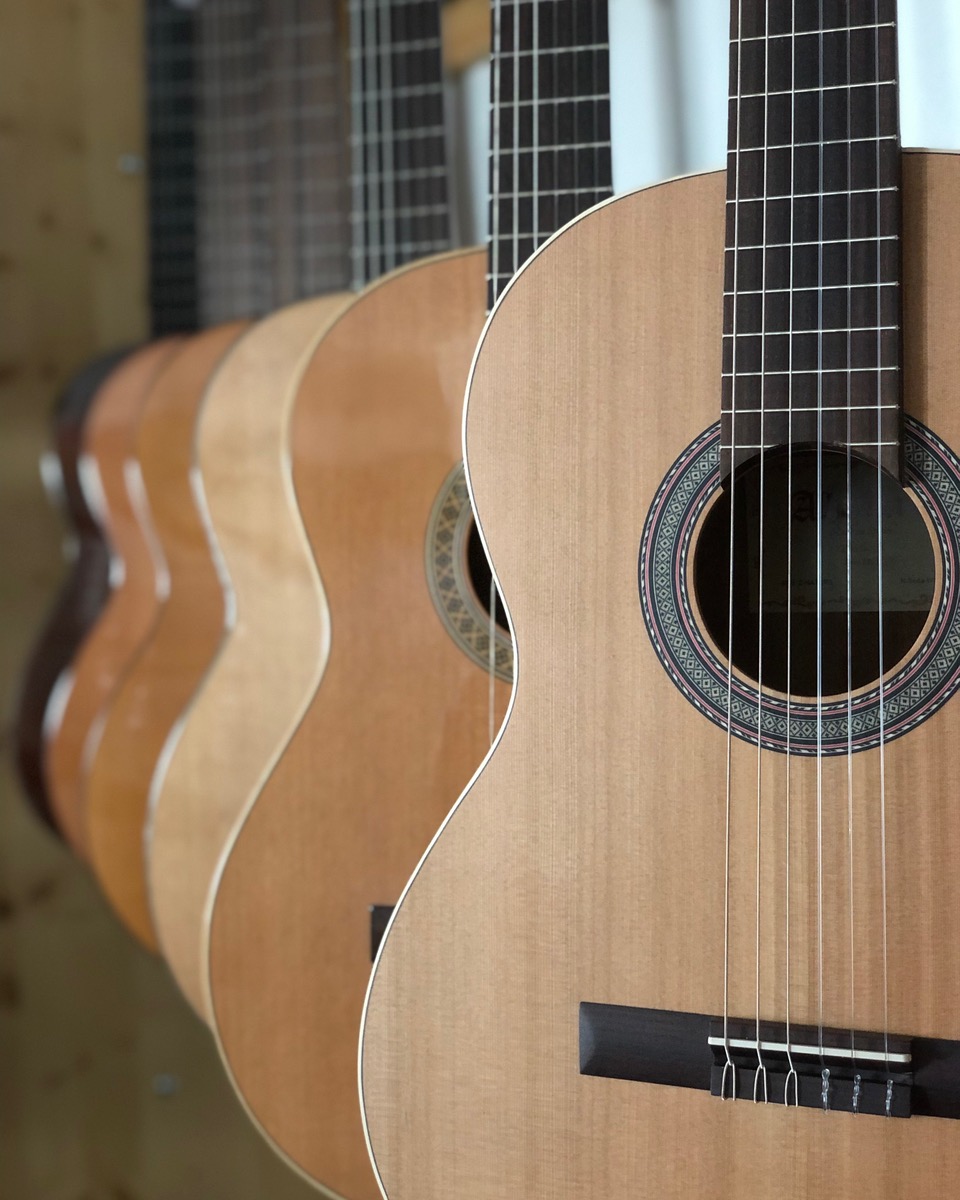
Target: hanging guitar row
x: 648, y: 830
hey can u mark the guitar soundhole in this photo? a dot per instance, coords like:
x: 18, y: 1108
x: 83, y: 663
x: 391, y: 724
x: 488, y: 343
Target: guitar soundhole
x: 814, y: 513
x: 481, y: 577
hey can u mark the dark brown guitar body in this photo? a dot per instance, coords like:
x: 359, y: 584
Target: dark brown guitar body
x: 83, y: 591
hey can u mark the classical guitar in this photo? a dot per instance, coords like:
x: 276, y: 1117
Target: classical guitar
x: 692, y: 929
x: 269, y: 662
x: 113, y: 489
x: 82, y: 593
x: 408, y: 701
x: 259, y: 176
x: 156, y: 687
x: 185, y: 111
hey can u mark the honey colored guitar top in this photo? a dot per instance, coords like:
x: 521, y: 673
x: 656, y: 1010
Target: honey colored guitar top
x: 183, y: 642
x: 397, y: 726
x: 270, y: 662
x: 586, y: 861
x: 111, y: 471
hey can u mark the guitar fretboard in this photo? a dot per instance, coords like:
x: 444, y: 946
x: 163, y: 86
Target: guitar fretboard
x: 271, y: 166
x: 550, y: 134
x: 401, y: 203
x: 171, y: 150
x: 248, y: 171
x: 811, y: 349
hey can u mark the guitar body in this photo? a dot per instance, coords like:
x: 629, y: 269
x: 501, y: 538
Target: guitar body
x: 586, y: 861
x: 397, y: 726
x: 81, y: 595
x: 270, y: 662
x: 109, y: 445
x: 159, y: 684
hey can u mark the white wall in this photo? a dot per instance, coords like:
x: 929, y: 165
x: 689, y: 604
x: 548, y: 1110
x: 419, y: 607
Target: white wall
x: 668, y: 79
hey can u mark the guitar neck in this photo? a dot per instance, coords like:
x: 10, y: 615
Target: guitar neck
x: 171, y: 138
x: 550, y: 125
x: 401, y: 201
x: 308, y: 215
x: 812, y: 279
x: 248, y: 172
x: 271, y: 174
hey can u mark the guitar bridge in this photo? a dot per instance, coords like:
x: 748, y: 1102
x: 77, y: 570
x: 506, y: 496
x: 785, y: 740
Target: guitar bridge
x: 832, y: 1069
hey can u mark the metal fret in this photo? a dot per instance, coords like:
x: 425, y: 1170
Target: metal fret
x: 886, y: 237
x: 553, y: 149
x: 401, y: 135
x: 541, y: 101
x: 818, y: 371
x: 833, y: 87
x: 760, y: 37
x: 380, y: 97
x: 356, y: 55
x: 827, y: 287
x: 795, y: 333
x: 800, y: 410
x: 892, y: 137
x: 870, y: 444
x: 813, y: 195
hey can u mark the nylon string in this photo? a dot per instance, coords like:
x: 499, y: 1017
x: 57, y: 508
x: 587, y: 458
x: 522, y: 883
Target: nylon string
x: 849, y: 562
x: 729, y: 1068
x: 820, y: 246
x: 761, y: 1072
x: 880, y: 647
x: 791, y: 1069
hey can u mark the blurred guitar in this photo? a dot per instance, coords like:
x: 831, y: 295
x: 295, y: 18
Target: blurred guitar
x: 418, y: 672
x: 82, y: 593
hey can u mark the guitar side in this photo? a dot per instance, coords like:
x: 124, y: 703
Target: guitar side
x: 132, y: 606
x: 586, y: 861
x: 153, y: 692
x: 270, y: 661
x: 398, y: 724
x: 79, y: 600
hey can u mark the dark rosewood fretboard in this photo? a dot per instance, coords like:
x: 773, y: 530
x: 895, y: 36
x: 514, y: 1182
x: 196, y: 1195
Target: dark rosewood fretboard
x: 550, y: 124
x: 401, y: 201
x: 811, y: 350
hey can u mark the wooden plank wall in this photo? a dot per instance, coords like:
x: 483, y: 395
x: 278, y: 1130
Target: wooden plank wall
x: 110, y: 1089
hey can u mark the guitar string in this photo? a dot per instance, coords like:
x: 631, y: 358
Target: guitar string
x: 558, y: 198
x: 729, y: 1067
x: 377, y: 54
x: 820, y: 379
x: 791, y: 1068
x: 492, y: 290
x: 385, y: 132
x: 880, y: 646
x: 515, y: 118
x: 209, y: 66
x: 761, y: 1072
x: 574, y: 117
x: 515, y: 232
x: 405, y: 24
x: 358, y: 147
x: 495, y: 117
x: 849, y: 538
x: 595, y: 91
x: 372, y: 134
x: 410, y: 152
